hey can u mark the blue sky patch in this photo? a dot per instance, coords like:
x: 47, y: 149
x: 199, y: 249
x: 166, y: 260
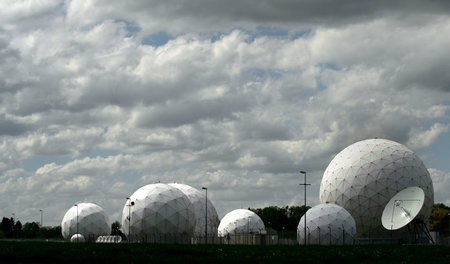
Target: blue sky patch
x: 36, y: 162
x: 157, y: 39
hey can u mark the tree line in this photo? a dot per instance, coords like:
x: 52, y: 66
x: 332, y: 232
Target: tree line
x: 440, y: 219
x: 15, y: 230
x: 281, y: 218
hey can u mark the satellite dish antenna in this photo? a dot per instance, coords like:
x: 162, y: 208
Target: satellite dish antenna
x: 402, y: 208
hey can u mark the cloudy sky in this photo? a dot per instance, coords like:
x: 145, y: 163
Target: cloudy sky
x: 98, y: 98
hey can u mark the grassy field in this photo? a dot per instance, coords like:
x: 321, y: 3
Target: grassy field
x: 59, y: 252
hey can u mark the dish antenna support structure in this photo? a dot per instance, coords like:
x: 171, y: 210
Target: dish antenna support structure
x: 403, y: 208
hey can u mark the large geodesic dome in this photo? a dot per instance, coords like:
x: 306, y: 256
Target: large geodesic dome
x: 241, y: 221
x: 92, y: 221
x: 201, y: 208
x: 327, y: 224
x: 363, y: 177
x: 159, y: 212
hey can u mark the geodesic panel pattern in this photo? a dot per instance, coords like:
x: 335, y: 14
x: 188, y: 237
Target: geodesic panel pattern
x: 363, y: 177
x: 92, y: 221
x: 327, y: 224
x: 199, y: 206
x: 241, y: 221
x: 158, y: 209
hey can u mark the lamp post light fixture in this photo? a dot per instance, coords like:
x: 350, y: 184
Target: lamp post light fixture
x: 130, y: 203
x: 206, y: 214
x: 304, y: 184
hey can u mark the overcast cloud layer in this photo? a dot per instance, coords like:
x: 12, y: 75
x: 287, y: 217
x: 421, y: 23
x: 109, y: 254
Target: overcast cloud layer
x: 98, y: 98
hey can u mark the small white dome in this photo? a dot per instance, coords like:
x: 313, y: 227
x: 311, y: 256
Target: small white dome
x: 77, y: 238
x: 241, y: 221
x: 327, y: 224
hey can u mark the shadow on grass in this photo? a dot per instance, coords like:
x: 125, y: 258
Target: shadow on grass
x: 59, y: 252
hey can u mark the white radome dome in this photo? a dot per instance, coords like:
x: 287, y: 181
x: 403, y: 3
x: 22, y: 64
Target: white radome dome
x: 363, y: 177
x: 327, y: 224
x: 158, y: 210
x: 77, y: 238
x: 241, y: 221
x: 199, y: 205
x: 92, y: 221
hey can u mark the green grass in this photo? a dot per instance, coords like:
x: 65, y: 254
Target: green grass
x: 59, y: 252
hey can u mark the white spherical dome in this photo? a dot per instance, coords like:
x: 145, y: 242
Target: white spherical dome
x: 363, y: 177
x: 241, y: 221
x: 199, y: 206
x: 77, y: 238
x: 327, y: 224
x: 158, y: 210
x: 92, y: 221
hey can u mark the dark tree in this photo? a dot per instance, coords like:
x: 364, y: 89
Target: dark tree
x: 439, y: 219
x: 31, y: 230
x: 115, y: 229
x: 51, y: 232
x: 294, y: 213
x: 7, y: 227
x: 18, y: 229
x: 281, y: 218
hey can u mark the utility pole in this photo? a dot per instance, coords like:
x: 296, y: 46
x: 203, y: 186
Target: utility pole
x: 304, y: 184
x: 42, y: 218
x: 77, y: 221
x: 206, y: 215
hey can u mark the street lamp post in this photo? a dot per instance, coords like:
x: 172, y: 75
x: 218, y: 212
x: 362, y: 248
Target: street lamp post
x: 77, y: 221
x: 206, y: 215
x: 13, y: 221
x: 248, y: 230
x: 304, y: 184
x: 42, y: 218
x: 448, y: 228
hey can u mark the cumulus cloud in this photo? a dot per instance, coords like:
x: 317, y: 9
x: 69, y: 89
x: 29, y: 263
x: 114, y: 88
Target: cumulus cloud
x: 441, y: 184
x: 239, y: 97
